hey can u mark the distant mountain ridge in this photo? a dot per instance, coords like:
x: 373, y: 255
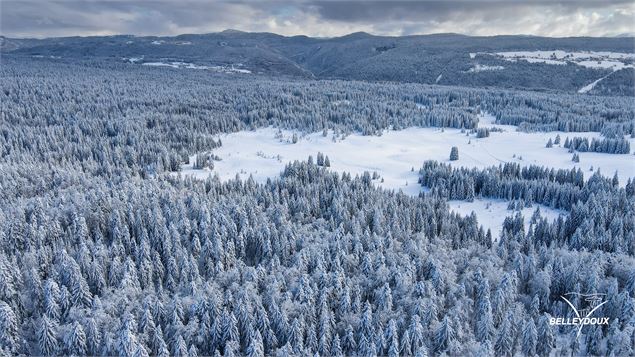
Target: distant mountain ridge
x: 436, y: 58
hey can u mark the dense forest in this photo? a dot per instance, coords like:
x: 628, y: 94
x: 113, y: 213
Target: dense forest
x: 106, y: 251
x: 600, y: 212
x: 446, y: 59
x: 621, y: 82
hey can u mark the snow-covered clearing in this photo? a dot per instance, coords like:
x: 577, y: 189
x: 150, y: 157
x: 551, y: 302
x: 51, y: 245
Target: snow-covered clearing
x: 175, y: 65
x: 132, y: 59
x: 481, y: 68
x: 600, y: 60
x: 186, y: 65
x: 614, y: 61
x: 568, y: 56
x: 492, y: 212
x: 263, y: 153
x: 41, y: 56
x: 613, y: 65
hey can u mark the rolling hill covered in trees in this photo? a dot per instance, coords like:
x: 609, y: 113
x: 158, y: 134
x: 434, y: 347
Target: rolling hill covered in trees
x: 442, y: 58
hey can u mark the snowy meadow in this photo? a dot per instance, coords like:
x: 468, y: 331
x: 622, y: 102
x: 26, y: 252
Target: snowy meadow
x: 393, y: 155
x: 263, y: 153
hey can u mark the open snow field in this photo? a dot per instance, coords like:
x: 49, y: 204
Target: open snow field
x: 263, y: 153
x: 492, y: 212
x: 187, y: 65
x: 610, y: 60
x: 482, y: 68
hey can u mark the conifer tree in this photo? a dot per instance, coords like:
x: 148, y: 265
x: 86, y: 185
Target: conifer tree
x: 454, y: 153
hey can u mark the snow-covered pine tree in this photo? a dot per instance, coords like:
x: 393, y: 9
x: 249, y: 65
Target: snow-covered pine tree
x: 454, y: 153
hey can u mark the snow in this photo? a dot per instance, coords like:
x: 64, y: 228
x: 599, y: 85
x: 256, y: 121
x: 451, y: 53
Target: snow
x: 565, y: 55
x: 133, y: 59
x: 481, y: 68
x: 176, y: 65
x: 613, y: 65
x: 491, y: 213
x: 590, y: 86
x: 158, y: 42
x: 600, y: 60
x: 161, y: 64
x: 472, y: 55
x: 238, y: 70
x: 543, y: 60
x: 263, y: 153
x: 187, y: 65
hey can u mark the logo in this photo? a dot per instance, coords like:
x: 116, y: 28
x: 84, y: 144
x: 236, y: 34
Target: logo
x: 589, y: 303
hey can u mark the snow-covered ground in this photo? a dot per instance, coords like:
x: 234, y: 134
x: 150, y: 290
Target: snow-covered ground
x: 481, y: 68
x: 186, y: 65
x: 612, y: 60
x: 132, y: 59
x: 175, y: 65
x: 41, y: 56
x: 591, y: 85
x: 263, y: 153
x: 601, y: 60
x: 602, y: 64
x: 492, y: 212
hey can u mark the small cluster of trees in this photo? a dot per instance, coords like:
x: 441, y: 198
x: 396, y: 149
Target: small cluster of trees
x: 323, y: 160
x: 482, y: 132
x: 605, y: 145
x: 202, y: 161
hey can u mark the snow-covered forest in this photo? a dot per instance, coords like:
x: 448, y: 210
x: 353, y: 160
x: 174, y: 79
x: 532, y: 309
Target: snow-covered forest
x: 106, y: 250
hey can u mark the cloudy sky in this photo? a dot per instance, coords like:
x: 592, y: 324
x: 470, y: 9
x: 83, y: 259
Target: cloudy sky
x: 43, y: 18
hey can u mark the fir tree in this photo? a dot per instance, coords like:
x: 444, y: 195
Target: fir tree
x: 454, y: 153
x: 47, y: 339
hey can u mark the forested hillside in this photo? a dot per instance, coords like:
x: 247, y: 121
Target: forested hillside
x: 448, y: 59
x: 106, y: 250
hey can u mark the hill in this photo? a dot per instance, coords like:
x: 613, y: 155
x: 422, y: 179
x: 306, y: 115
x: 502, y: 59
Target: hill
x: 450, y: 59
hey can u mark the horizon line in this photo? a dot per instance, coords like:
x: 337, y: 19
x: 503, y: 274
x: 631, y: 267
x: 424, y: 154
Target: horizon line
x: 230, y: 30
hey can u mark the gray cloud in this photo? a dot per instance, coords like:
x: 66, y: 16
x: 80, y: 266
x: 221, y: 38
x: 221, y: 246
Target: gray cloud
x: 442, y: 10
x: 29, y: 18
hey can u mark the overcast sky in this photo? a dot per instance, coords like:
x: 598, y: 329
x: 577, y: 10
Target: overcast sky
x: 41, y: 18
